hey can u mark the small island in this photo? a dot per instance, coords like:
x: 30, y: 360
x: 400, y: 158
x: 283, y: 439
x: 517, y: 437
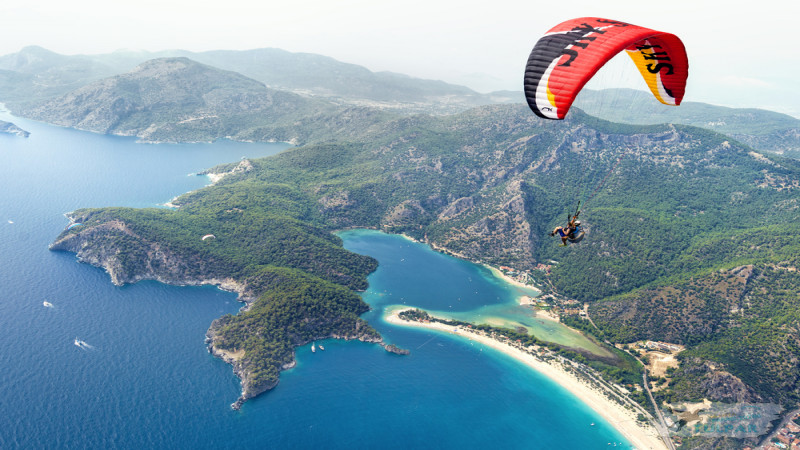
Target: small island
x: 10, y: 128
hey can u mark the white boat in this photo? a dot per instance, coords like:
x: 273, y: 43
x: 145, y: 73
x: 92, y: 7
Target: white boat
x: 47, y: 304
x: 313, y: 349
x: 78, y: 342
x: 321, y: 347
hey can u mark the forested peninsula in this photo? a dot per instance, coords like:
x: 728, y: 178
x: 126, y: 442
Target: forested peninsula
x: 297, y: 281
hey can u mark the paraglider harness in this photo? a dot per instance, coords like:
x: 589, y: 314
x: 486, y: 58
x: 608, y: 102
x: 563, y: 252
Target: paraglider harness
x: 572, y: 232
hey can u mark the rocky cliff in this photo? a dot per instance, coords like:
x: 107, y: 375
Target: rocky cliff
x: 129, y: 257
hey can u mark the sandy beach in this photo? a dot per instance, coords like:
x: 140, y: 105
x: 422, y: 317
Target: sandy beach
x: 547, y: 316
x: 622, y: 419
x: 499, y: 274
x: 213, y: 177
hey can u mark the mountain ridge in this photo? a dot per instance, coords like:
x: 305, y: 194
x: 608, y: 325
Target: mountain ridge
x: 181, y: 100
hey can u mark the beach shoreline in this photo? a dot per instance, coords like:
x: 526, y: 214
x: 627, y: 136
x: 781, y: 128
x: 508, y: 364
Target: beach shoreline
x: 499, y: 274
x: 622, y: 419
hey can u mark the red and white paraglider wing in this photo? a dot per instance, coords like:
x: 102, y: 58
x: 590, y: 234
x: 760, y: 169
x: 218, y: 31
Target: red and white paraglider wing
x: 565, y: 58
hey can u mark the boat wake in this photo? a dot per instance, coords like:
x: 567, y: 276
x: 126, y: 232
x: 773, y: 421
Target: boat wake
x: 83, y: 344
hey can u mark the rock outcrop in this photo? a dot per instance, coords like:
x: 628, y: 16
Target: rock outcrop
x: 391, y: 348
x: 10, y: 128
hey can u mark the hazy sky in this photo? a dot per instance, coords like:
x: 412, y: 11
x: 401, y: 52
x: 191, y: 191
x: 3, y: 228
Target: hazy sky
x: 741, y: 53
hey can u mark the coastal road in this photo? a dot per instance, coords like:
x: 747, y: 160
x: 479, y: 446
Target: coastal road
x: 661, y: 425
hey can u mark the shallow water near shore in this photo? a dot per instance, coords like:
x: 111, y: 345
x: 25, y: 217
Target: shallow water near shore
x: 413, y: 274
x: 145, y: 380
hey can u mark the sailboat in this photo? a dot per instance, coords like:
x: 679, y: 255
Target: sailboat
x: 313, y: 349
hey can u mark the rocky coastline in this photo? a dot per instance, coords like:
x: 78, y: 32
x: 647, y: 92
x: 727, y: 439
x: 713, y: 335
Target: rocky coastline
x: 95, y: 244
x: 242, y: 370
x: 238, y: 362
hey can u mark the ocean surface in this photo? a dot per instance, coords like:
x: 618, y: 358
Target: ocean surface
x: 145, y: 378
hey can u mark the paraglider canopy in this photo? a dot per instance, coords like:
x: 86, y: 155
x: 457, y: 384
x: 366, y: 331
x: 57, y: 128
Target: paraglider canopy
x: 565, y: 58
x: 208, y: 236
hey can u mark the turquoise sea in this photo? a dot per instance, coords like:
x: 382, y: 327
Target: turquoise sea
x: 145, y: 380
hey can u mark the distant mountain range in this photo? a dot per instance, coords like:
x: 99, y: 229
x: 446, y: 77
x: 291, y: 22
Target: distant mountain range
x: 35, y: 73
x: 761, y: 129
x: 35, y: 79
x: 177, y: 99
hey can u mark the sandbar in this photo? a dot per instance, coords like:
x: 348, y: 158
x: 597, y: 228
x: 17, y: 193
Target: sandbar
x: 622, y: 419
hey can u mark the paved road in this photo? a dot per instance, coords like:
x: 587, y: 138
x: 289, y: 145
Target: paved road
x: 661, y: 426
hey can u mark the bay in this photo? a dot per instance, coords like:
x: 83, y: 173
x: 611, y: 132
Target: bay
x: 146, y: 380
x: 412, y: 274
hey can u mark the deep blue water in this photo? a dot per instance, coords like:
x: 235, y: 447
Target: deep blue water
x: 147, y: 379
